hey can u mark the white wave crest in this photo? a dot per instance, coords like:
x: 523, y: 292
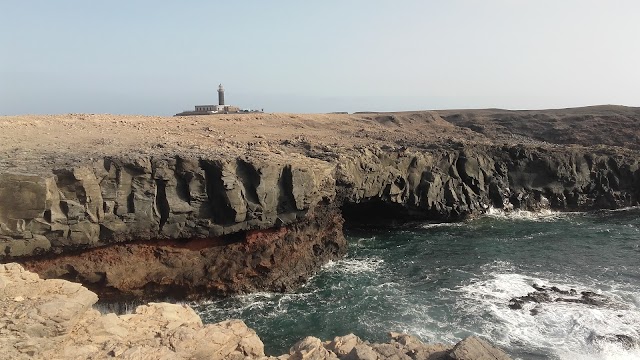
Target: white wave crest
x: 543, y: 215
x: 625, y: 209
x: 354, y: 266
x: 568, y: 330
x: 439, y: 225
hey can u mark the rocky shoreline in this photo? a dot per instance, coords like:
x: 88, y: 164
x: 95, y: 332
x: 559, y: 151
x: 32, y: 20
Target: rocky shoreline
x: 54, y: 319
x: 201, y: 207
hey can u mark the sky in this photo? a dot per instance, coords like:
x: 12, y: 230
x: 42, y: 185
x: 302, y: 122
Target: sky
x: 162, y: 57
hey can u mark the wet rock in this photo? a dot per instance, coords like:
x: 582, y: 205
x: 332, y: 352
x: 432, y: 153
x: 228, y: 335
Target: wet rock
x: 535, y: 297
x: 587, y: 298
x: 516, y: 303
x: 545, y: 294
x: 625, y: 341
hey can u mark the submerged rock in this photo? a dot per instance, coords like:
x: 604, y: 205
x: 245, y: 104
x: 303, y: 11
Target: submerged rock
x: 545, y: 294
x: 625, y: 341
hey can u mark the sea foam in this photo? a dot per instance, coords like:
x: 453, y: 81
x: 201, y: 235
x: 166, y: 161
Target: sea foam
x: 543, y: 215
x: 571, y: 330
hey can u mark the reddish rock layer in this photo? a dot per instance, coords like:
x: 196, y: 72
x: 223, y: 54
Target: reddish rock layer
x: 277, y: 259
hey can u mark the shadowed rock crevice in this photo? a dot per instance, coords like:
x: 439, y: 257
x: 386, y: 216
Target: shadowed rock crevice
x: 286, y: 200
x: 216, y: 191
x: 182, y: 189
x: 378, y: 213
x: 250, y: 179
x: 161, y: 202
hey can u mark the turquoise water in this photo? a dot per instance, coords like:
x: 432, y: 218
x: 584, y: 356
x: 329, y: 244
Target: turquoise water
x: 442, y: 282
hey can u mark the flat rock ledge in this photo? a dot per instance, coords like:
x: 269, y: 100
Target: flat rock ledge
x: 55, y: 319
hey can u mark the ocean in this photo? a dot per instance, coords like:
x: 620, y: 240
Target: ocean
x: 444, y: 281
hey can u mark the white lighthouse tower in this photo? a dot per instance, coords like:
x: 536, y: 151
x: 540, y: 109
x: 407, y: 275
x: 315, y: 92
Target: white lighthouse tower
x: 220, y: 95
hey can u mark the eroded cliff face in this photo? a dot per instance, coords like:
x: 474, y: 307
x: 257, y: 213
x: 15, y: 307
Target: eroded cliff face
x: 187, y: 227
x: 176, y: 227
x: 451, y: 185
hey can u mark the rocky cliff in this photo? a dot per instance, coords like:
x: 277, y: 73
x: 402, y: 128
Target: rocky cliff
x: 187, y: 221
x: 175, y: 226
x: 466, y: 180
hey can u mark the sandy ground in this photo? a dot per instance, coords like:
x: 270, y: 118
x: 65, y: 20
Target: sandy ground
x: 59, y: 140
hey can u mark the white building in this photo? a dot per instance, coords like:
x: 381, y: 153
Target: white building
x: 221, y: 108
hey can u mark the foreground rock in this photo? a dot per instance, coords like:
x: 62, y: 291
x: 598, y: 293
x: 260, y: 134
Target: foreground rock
x: 54, y: 319
x: 400, y: 347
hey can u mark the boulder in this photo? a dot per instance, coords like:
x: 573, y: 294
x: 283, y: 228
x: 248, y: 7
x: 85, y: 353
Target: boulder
x: 54, y: 319
x: 342, y: 345
x: 310, y: 348
x: 475, y: 348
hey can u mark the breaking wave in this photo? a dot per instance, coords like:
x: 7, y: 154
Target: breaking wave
x: 443, y: 282
x: 441, y: 225
x: 354, y: 266
x: 562, y: 330
x: 543, y: 215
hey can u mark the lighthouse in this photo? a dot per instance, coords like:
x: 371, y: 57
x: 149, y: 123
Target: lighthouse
x: 220, y: 95
x: 221, y: 108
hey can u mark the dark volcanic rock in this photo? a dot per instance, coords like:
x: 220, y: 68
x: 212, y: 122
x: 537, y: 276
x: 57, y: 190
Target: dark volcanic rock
x: 625, y: 341
x: 174, y: 227
x: 588, y: 298
x: 545, y: 294
x: 453, y: 184
x: 143, y: 206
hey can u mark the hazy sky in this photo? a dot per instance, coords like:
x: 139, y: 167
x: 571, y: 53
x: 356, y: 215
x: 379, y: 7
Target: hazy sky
x: 162, y: 57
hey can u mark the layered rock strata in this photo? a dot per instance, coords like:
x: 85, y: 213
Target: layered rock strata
x: 185, y: 227
x: 54, y: 319
x: 174, y: 227
x: 457, y: 183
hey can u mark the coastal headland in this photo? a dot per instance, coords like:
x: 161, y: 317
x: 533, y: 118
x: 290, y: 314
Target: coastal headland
x: 141, y: 207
